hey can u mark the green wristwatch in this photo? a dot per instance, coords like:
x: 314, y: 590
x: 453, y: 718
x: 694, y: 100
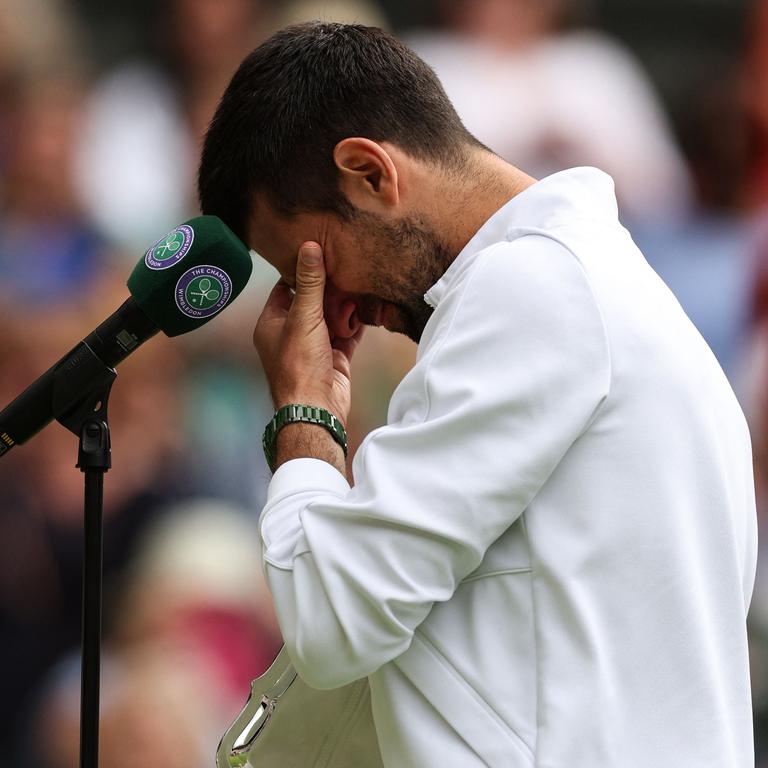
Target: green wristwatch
x: 310, y: 414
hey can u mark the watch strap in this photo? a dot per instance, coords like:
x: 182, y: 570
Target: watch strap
x: 298, y: 413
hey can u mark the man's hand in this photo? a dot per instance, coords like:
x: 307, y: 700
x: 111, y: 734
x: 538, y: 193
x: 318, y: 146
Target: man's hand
x: 303, y: 364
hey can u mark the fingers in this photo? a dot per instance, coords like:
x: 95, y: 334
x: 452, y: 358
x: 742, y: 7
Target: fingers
x: 341, y: 363
x: 278, y: 302
x: 347, y: 345
x: 275, y: 310
x: 310, y: 283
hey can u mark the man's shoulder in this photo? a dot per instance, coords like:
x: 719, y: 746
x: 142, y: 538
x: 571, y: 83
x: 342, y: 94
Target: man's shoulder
x: 532, y: 269
x: 531, y: 287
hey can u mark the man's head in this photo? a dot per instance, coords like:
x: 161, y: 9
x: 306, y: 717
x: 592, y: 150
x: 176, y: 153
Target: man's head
x: 336, y: 133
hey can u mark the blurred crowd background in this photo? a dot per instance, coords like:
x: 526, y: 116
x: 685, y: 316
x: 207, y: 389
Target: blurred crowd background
x: 102, y: 108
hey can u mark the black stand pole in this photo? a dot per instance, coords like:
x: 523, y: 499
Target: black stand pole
x: 75, y: 392
x: 93, y: 460
x: 88, y: 420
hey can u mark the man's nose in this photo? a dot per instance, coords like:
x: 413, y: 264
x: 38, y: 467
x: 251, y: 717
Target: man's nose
x: 340, y: 311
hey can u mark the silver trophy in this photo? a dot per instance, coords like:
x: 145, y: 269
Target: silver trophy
x: 287, y: 724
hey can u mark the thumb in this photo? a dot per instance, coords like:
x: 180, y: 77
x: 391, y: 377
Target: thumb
x: 310, y: 280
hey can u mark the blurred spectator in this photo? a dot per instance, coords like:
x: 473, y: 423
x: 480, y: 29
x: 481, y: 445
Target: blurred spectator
x: 729, y: 139
x: 546, y: 99
x: 41, y: 514
x: 57, y: 282
x: 37, y: 38
x: 705, y: 261
x: 755, y: 397
x: 154, y: 712
x: 136, y: 168
x: 194, y: 627
x: 754, y: 199
x: 49, y: 251
x: 716, y: 139
x: 140, y: 144
x: 196, y: 583
x: 756, y: 102
x: 757, y: 372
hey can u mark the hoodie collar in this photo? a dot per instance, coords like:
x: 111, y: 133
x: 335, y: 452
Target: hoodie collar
x: 575, y: 193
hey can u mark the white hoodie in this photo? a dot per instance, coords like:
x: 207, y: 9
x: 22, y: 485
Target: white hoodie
x: 548, y: 553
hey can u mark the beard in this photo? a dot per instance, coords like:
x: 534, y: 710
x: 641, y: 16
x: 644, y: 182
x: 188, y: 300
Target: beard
x: 406, y: 259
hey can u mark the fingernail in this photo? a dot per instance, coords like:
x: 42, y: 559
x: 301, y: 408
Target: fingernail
x: 311, y: 256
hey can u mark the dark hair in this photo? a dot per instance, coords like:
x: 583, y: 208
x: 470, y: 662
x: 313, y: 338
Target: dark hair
x: 301, y: 92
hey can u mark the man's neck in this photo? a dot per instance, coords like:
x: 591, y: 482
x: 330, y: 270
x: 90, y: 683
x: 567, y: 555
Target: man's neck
x: 488, y: 185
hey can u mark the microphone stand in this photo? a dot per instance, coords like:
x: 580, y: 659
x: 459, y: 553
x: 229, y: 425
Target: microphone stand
x: 87, y: 419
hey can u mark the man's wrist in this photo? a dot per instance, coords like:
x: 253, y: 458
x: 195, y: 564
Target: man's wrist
x: 302, y: 440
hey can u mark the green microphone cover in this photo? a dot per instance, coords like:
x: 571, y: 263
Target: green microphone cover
x: 190, y: 275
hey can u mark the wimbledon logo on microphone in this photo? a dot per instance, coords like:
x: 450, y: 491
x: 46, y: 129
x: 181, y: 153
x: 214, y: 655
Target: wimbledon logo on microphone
x: 171, y: 248
x: 203, y: 291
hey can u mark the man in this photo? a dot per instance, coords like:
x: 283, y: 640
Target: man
x: 548, y: 552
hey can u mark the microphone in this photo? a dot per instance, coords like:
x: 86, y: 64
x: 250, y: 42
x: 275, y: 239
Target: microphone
x: 186, y: 278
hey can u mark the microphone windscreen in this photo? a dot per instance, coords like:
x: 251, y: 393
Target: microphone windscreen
x: 189, y: 275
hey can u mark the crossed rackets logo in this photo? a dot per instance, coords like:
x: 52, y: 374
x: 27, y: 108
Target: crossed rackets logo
x: 202, y: 293
x: 169, y: 247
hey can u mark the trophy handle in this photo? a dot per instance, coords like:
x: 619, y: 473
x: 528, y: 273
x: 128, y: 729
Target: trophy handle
x: 266, y: 690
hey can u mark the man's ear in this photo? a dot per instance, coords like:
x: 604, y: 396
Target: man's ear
x: 367, y: 174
